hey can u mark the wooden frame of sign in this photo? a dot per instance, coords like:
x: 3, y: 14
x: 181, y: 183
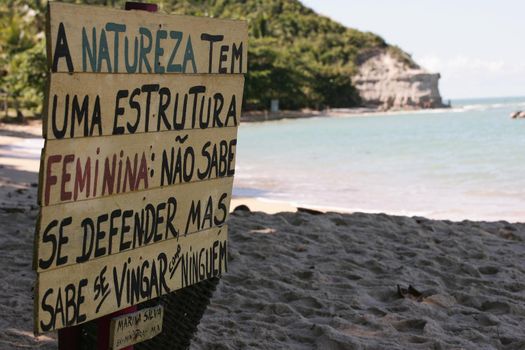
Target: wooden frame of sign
x: 136, y: 174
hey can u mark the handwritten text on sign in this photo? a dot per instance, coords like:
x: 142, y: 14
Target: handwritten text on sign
x: 94, y: 167
x: 117, y: 281
x: 116, y: 41
x: 85, y: 230
x: 136, y: 327
x: 83, y: 105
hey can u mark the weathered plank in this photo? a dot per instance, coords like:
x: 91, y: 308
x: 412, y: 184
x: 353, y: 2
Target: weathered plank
x: 85, y: 230
x: 75, y: 294
x: 82, y: 105
x: 135, y: 327
x: 101, y: 39
x: 94, y: 167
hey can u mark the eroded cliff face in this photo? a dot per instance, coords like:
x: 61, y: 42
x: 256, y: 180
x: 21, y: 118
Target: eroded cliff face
x: 387, y: 82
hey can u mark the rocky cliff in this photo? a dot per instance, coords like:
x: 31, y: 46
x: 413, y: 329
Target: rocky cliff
x: 389, y: 80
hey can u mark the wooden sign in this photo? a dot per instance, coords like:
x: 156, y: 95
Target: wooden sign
x: 101, y: 39
x: 86, y: 105
x: 74, y: 294
x: 94, y: 167
x: 136, y: 327
x: 77, y: 232
x: 137, y: 169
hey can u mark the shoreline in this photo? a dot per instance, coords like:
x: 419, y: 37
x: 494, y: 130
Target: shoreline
x: 273, y: 206
x: 264, y: 116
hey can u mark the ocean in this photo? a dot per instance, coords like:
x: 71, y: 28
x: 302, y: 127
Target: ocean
x: 466, y: 162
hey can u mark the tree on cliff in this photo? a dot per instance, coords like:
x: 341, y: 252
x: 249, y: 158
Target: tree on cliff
x: 295, y: 55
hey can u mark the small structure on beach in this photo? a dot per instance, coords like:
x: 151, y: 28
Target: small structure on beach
x: 274, y: 106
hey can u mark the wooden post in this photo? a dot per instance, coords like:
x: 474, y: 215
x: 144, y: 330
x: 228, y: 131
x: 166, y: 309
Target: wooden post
x: 69, y: 338
x: 103, y: 323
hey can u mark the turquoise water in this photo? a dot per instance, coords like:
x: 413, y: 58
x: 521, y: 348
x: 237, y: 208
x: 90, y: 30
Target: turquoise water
x: 464, y: 162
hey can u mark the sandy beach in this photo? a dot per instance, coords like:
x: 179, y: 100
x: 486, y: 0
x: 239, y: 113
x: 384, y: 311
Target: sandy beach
x: 303, y: 281
x: 264, y: 116
x: 18, y: 214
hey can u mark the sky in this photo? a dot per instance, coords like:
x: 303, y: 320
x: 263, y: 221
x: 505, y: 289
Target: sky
x: 478, y: 47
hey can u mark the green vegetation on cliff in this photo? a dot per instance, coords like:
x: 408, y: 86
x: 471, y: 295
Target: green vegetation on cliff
x: 295, y: 55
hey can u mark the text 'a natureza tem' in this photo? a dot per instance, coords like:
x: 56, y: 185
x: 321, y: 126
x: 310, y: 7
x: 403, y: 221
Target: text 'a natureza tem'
x: 95, y: 167
x: 116, y: 41
x: 75, y: 294
x: 81, y: 231
x: 84, y: 105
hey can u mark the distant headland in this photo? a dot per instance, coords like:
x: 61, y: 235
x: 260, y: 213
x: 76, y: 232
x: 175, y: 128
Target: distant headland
x: 297, y: 60
x: 305, y: 60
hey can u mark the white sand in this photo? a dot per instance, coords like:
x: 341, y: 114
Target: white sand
x: 18, y: 212
x: 301, y: 281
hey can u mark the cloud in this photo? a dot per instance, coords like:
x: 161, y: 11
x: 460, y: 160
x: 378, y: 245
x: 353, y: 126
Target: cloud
x: 463, y: 75
x: 466, y: 64
x: 431, y: 63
